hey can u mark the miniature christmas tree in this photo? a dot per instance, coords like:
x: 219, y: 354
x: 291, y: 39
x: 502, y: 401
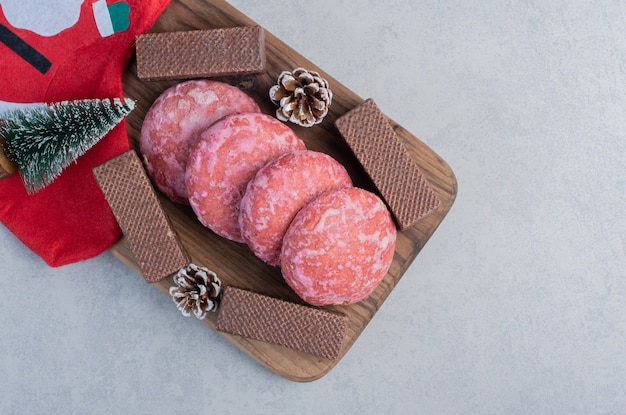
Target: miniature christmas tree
x: 43, y: 140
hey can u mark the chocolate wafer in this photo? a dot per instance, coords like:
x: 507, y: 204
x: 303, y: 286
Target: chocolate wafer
x: 307, y: 329
x: 387, y: 162
x: 147, y: 228
x: 200, y: 53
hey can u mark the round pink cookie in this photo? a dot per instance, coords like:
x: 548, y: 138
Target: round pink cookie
x: 172, y: 125
x: 338, y: 247
x: 278, y: 191
x: 225, y: 158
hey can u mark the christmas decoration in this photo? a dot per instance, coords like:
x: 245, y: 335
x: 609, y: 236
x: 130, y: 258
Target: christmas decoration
x: 62, y: 55
x: 43, y: 140
x: 303, y: 97
x: 198, y: 290
x: 111, y: 19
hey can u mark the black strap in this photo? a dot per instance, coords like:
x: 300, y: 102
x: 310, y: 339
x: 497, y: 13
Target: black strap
x: 24, y: 50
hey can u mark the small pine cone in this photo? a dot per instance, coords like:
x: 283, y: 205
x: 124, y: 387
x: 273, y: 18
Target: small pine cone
x: 197, y: 291
x: 302, y: 96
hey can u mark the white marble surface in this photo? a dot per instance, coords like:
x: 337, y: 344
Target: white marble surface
x: 516, y: 305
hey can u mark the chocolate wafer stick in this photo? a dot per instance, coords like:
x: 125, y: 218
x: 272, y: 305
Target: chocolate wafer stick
x: 387, y: 162
x: 201, y: 53
x: 154, y: 243
x: 307, y: 329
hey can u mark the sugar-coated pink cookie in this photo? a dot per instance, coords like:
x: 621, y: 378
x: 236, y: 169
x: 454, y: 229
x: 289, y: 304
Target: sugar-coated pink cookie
x: 338, y: 247
x: 278, y: 191
x: 225, y: 158
x: 172, y: 125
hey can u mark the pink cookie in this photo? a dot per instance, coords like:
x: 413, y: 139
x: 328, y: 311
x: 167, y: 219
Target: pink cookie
x: 225, y: 158
x: 172, y: 125
x: 278, y: 191
x: 338, y: 247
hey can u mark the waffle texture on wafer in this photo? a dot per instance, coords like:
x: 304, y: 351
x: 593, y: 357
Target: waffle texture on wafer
x: 307, y: 329
x: 200, y: 53
x: 147, y: 228
x: 387, y: 162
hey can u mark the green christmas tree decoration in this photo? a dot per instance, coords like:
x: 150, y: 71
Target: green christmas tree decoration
x: 45, y: 139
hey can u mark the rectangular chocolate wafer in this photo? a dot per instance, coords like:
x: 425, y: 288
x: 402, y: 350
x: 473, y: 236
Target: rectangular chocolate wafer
x: 200, y: 53
x: 147, y: 228
x: 387, y: 162
x: 307, y: 329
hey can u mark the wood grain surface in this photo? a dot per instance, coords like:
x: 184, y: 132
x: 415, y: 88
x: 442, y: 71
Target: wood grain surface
x: 233, y: 262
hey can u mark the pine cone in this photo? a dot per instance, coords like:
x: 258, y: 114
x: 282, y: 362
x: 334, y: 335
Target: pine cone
x: 303, y: 97
x: 197, y: 291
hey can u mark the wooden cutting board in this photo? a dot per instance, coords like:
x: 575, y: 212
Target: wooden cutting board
x: 234, y: 263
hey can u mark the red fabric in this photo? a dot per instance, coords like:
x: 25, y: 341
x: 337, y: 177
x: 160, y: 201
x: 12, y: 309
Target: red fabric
x: 69, y: 220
